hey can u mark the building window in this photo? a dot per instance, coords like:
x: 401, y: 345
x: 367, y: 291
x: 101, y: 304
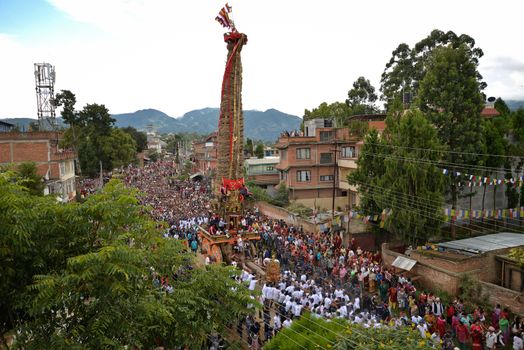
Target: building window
x: 303, y: 175
x: 349, y: 152
x: 326, y: 158
x: 326, y: 177
x: 352, y: 199
x: 303, y: 153
x: 270, y: 168
x: 326, y: 135
x: 344, y: 193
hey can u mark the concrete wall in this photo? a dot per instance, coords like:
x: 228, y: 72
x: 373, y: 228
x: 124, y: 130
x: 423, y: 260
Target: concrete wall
x: 289, y: 218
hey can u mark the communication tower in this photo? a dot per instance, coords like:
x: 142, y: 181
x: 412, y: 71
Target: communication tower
x: 45, y: 93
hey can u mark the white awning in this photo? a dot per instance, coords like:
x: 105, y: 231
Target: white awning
x: 404, y: 263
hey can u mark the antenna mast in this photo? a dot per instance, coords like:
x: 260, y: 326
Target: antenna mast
x: 45, y: 93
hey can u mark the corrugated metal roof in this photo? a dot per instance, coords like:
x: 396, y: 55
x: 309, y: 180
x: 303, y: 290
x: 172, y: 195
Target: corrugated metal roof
x: 487, y: 243
x: 404, y: 263
x: 267, y: 160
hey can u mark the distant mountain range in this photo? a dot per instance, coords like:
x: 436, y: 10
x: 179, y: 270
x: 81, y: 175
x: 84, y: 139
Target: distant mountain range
x: 515, y: 104
x: 259, y: 125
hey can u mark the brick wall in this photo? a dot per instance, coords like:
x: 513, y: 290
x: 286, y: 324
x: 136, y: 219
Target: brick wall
x: 434, y: 277
x: 35, y: 151
x: 5, y: 153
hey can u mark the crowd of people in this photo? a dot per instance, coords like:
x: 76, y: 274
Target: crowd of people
x: 320, y: 275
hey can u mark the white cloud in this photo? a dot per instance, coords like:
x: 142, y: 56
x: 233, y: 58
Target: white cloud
x: 169, y: 54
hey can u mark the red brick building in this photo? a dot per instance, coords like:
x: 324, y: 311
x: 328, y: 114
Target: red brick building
x: 55, y: 165
x: 205, y: 154
x: 307, y: 162
x: 307, y: 165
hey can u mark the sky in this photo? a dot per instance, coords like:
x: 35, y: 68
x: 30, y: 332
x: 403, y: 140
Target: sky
x: 170, y: 55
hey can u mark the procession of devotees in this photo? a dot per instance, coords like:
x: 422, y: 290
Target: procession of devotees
x: 319, y: 274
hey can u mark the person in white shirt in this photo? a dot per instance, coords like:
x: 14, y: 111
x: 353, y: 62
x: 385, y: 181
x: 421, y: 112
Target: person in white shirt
x: 327, y: 302
x: 277, y: 322
x: 287, y: 323
x: 518, y: 344
x: 491, y: 338
x: 252, y: 284
x: 298, y: 310
x: 343, y: 310
x: 356, y: 304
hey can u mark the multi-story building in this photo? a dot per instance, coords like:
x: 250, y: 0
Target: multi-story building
x: 263, y: 171
x: 205, y: 154
x: 315, y: 165
x: 347, y: 162
x: 55, y: 165
x: 6, y: 127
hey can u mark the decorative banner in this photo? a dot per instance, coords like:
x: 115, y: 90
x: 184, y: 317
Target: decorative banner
x: 477, y: 181
x: 459, y: 214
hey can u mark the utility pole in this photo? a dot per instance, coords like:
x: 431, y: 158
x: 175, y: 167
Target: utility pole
x: 334, y: 186
x: 101, y: 176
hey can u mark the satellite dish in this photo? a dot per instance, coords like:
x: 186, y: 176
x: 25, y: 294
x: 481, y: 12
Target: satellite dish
x: 492, y: 99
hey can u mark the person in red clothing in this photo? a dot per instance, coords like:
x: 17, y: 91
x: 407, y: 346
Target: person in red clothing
x: 476, y: 335
x: 441, y: 326
x: 449, y: 313
x: 392, y: 292
x: 462, y: 335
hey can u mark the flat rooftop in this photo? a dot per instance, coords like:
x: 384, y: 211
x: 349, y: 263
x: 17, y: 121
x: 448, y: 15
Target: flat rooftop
x: 483, y: 244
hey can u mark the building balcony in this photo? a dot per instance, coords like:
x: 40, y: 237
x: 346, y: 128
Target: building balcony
x: 350, y: 163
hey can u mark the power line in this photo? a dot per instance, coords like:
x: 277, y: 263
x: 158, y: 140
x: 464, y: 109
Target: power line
x: 445, y: 151
x: 469, y: 168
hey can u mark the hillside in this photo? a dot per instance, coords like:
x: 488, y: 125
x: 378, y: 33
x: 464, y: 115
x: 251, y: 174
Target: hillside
x: 259, y: 125
x: 515, y: 104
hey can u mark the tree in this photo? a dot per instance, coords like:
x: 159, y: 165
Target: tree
x: 281, y: 198
x: 96, y: 140
x: 249, y: 147
x: 412, y: 189
x: 450, y: 95
x: 118, y: 149
x: 96, y: 268
x: 259, y: 151
x: 497, y: 144
x: 407, y: 66
x: 502, y: 107
x: 26, y: 175
x: 370, y: 168
x: 97, y: 118
x: 139, y: 137
x: 362, y: 97
x: 338, y: 111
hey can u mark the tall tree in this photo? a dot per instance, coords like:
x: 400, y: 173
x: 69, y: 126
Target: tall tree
x: 249, y: 147
x: 407, y: 66
x: 362, y: 97
x: 259, y: 151
x: 412, y: 189
x: 139, y: 137
x: 450, y: 94
x: 370, y: 169
x: 27, y: 176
